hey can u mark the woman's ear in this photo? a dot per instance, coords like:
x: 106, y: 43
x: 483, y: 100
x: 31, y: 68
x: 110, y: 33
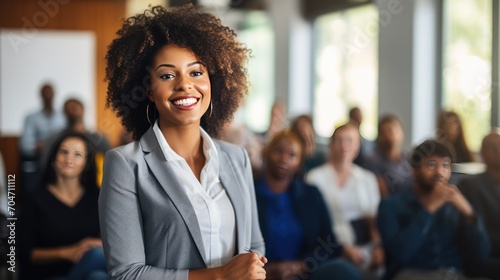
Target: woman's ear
x: 149, y: 93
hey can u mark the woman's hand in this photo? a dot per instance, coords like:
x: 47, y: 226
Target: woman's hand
x: 244, y: 266
x: 75, y: 252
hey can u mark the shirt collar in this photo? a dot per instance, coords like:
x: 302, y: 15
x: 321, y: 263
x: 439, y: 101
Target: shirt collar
x: 209, y: 148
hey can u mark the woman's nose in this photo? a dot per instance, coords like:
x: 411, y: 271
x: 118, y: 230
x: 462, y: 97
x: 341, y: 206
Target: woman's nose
x: 183, y: 83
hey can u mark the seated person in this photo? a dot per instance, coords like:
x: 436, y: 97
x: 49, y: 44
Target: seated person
x: 391, y: 167
x: 430, y: 231
x: 74, y: 113
x: 314, y: 154
x: 451, y: 131
x: 483, y: 192
x: 59, y: 224
x: 293, y: 218
x: 38, y: 127
x: 366, y: 147
x: 352, y: 196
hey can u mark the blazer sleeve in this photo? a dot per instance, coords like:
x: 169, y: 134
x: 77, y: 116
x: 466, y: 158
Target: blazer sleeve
x: 257, y: 241
x: 121, y: 224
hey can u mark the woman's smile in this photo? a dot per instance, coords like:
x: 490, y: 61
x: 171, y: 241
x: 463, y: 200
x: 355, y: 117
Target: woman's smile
x: 180, y: 86
x: 185, y: 102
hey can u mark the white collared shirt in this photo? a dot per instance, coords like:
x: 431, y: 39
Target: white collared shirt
x: 209, y: 199
x: 357, y: 199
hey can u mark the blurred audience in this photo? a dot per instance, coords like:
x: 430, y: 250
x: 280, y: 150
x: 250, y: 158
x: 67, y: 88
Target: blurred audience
x: 38, y: 127
x: 58, y: 232
x: 393, y: 171
x: 277, y: 121
x: 367, y: 146
x: 450, y: 130
x: 74, y: 113
x: 430, y: 231
x: 242, y: 136
x: 352, y: 196
x: 483, y: 192
x: 314, y: 154
x: 294, y: 219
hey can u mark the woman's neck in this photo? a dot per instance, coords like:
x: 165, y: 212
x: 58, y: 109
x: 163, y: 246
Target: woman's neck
x: 277, y: 185
x: 67, y: 190
x: 68, y: 185
x: 341, y: 167
x: 343, y: 171
x: 184, y: 140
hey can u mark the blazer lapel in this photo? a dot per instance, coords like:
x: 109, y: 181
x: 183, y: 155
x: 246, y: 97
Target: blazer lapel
x: 163, y: 172
x: 233, y: 187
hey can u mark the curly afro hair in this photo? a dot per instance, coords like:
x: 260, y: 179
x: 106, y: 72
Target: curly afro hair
x: 130, y: 55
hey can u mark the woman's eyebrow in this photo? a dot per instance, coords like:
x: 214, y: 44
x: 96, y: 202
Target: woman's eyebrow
x: 173, y: 66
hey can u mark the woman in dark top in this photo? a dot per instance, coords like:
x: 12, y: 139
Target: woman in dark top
x: 294, y: 219
x: 450, y: 130
x: 59, y: 225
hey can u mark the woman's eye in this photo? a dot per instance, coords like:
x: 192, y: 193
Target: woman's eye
x: 78, y: 155
x: 166, y: 76
x: 197, y: 73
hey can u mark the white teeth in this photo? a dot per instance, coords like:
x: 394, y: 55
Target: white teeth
x: 185, y: 102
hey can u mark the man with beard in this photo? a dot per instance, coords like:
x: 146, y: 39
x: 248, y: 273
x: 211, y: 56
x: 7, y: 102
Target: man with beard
x: 387, y: 161
x: 430, y: 231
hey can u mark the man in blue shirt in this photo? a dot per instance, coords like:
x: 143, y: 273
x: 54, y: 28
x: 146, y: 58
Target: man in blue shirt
x: 38, y: 127
x: 430, y: 231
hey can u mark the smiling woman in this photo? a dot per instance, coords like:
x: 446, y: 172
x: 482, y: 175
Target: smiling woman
x: 177, y: 204
x: 180, y: 87
x: 132, y: 57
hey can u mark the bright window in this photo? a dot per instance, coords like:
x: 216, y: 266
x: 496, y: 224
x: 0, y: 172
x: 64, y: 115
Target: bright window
x: 346, y: 69
x: 258, y: 35
x: 467, y: 65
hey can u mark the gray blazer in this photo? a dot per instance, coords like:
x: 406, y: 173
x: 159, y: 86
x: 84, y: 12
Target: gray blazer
x: 148, y: 226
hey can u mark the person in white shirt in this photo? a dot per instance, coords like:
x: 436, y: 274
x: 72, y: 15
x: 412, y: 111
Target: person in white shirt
x: 352, y: 196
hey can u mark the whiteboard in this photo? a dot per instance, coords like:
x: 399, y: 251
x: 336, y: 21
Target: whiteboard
x: 65, y: 59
